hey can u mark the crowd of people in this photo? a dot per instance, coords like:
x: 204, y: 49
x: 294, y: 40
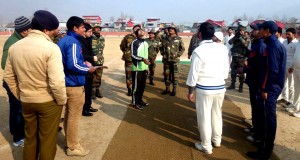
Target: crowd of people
x: 41, y: 77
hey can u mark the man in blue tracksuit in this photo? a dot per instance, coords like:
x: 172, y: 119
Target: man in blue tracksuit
x: 257, y: 48
x: 75, y: 69
x: 271, y: 81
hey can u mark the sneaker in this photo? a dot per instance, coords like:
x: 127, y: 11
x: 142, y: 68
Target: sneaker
x: 296, y: 114
x: 77, y: 152
x: 199, y: 146
x: 20, y: 143
x: 251, y: 139
x: 290, y: 110
x: 249, y: 130
x: 288, y: 105
x: 283, y: 101
x: 216, y: 145
x: 137, y: 106
x: 144, y: 103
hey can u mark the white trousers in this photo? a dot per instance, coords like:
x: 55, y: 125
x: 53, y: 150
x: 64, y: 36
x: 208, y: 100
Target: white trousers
x: 288, y: 89
x: 209, y: 118
x: 296, y: 101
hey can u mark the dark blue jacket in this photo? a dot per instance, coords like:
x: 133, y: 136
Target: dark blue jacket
x: 252, y: 70
x: 272, y: 67
x: 74, y: 67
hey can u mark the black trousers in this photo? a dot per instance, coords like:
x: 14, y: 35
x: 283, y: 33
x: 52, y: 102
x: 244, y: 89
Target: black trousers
x: 88, y: 86
x: 138, y: 85
x: 268, y: 124
x: 255, y: 112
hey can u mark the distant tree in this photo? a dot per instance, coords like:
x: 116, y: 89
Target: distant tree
x: 245, y: 17
x: 250, y: 19
x: 131, y: 17
x: 292, y: 22
x: 112, y: 19
x: 260, y: 16
x: 275, y: 17
x: 284, y: 19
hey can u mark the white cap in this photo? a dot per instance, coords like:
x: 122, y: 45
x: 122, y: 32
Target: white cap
x: 219, y: 35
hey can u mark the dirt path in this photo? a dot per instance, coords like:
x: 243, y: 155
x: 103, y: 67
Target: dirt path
x: 165, y: 130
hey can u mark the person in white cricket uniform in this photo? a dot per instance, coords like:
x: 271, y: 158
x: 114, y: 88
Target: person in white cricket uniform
x: 295, y: 69
x: 290, y: 45
x: 208, y: 71
x: 226, y: 41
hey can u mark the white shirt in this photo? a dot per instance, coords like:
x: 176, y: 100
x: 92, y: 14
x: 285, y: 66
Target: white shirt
x: 226, y: 39
x: 209, y: 67
x: 296, y: 60
x: 280, y: 39
x: 290, y: 51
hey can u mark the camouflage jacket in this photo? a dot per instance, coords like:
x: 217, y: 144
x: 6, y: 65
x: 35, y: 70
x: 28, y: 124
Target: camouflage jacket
x: 194, y: 43
x: 172, y: 48
x: 153, y: 48
x: 98, y: 45
x: 125, y: 47
x: 239, y: 46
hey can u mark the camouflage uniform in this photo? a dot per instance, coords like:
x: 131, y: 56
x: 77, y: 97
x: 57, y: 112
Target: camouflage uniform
x: 152, y: 51
x: 98, y: 44
x: 194, y: 43
x: 239, y: 52
x: 125, y: 47
x: 171, y: 49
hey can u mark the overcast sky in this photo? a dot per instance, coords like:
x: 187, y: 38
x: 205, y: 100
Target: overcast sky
x: 177, y: 11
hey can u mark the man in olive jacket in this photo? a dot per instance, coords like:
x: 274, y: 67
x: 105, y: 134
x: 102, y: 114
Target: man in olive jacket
x: 16, y: 120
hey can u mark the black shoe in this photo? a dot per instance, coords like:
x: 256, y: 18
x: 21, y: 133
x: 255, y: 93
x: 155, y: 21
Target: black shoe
x: 253, y: 155
x: 151, y: 83
x: 59, y: 129
x: 91, y: 109
x: 144, y: 103
x: 166, y: 91
x: 173, y: 93
x: 240, y: 90
x: 138, y: 106
x: 86, y: 113
x: 98, y: 94
x: 232, y: 86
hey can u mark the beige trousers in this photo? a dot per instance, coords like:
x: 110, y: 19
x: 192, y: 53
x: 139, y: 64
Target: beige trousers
x: 74, y: 106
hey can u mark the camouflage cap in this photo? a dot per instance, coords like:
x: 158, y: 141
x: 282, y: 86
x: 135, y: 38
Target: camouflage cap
x: 152, y: 31
x: 97, y: 26
x: 172, y: 26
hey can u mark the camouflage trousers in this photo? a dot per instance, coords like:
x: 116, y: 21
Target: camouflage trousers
x: 128, y: 74
x: 152, y: 67
x: 171, y: 73
x: 237, y: 62
x: 97, y: 78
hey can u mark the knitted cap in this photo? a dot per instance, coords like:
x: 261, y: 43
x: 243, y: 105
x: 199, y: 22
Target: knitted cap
x: 44, y: 20
x: 22, y: 24
x: 62, y: 30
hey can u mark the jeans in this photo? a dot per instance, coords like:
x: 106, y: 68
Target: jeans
x: 16, y: 120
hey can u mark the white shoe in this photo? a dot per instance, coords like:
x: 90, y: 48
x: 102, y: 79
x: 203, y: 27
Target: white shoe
x: 251, y: 139
x: 216, y: 145
x: 290, y: 110
x: 199, y: 146
x: 288, y: 105
x: 296, y: 114
x: 20, y: 143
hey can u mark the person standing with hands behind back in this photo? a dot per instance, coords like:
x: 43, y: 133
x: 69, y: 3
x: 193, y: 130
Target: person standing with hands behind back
x: 139, y: 54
